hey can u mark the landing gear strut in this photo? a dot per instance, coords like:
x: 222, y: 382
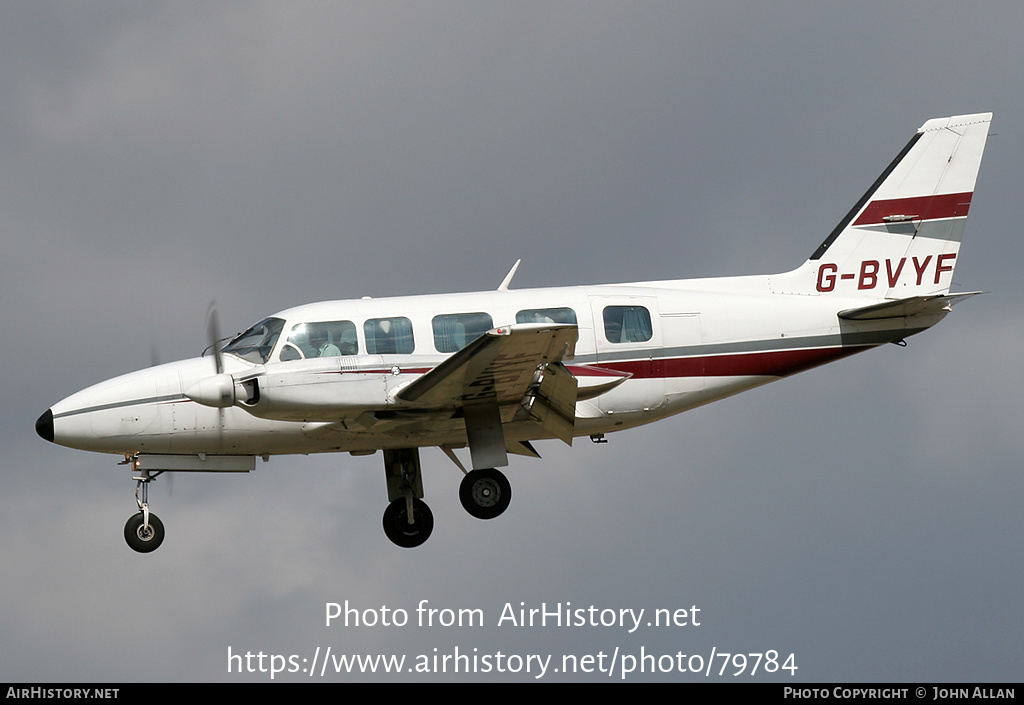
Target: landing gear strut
x: 144, y: 532
x: 485, y: 493
x: 407, y: 520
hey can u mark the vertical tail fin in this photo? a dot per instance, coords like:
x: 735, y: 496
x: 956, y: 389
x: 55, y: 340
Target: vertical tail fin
x: 902, y: 237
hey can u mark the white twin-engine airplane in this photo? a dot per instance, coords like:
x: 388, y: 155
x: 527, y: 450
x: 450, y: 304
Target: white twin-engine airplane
x: 497, y: 370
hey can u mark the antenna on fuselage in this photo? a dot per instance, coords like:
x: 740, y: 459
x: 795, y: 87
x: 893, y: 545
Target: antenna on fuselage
x: 508, y: 277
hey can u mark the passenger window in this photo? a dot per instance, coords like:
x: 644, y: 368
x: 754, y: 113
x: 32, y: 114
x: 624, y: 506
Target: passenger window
x: 627, y: 324
x: 322, y: 339
x: 389, y: 336
x: 547, y: 315
x: 455, y: 331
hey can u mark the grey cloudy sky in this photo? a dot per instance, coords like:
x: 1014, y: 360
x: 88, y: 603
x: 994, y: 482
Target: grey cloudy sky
x: 864, y: 516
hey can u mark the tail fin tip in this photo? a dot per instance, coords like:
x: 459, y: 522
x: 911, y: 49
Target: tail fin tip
x: 955, y: 121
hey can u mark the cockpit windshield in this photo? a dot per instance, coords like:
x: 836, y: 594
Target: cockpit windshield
x: 256, y: 344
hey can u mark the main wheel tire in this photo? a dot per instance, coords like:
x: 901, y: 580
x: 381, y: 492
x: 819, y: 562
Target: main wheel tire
x: 400, y: 531
x: 141, y: 538
x: 485, y: 493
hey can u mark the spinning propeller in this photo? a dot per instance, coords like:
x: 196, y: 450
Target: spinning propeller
x: 217, y: 391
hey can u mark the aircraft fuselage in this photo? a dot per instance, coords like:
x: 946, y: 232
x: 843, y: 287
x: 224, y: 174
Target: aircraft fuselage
x: 707, y: 339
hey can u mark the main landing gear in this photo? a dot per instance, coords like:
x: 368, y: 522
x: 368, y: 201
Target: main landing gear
x: 408, y: 521
x: 485, y: 493
x: 144, y: 532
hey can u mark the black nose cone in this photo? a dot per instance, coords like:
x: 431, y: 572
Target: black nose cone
x: 44, y: 426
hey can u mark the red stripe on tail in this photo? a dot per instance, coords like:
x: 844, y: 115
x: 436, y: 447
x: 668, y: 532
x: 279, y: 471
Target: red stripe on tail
x: 949, y: 205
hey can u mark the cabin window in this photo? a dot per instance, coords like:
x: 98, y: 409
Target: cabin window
x: 322, y: 339
x: 547, y: 315
x: 627, y: 324
x: 389, y: 336
x: 256, y: 343
x: 454, y: 331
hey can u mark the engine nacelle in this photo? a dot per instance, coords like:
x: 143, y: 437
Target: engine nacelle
x: 312, y: 395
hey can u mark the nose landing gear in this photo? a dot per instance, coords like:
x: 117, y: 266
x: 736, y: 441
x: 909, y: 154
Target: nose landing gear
x: 144, y: 532
x: 142, y: 535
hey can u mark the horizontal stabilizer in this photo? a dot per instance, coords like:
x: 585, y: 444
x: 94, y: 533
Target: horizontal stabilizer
x: 901, y: 308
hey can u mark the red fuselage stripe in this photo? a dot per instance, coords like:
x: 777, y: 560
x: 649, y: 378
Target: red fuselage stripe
x: 776, y: 363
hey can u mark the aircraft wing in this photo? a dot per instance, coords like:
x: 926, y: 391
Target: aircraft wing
x: 498, y: 366
x: 517, y: 367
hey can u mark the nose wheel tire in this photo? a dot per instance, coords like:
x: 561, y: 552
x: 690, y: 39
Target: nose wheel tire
x: 397, y: 526
x: 485, y: 493
x: 144, y: 538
